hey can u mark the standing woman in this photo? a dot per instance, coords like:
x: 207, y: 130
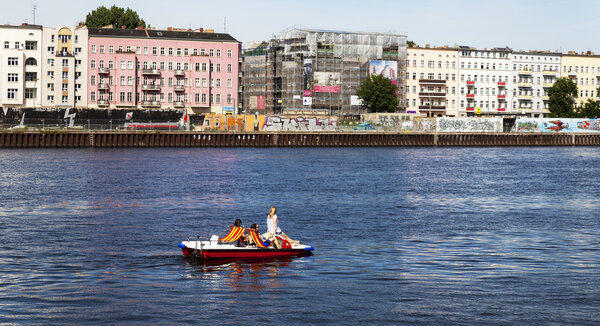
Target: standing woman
x: 273, y: 230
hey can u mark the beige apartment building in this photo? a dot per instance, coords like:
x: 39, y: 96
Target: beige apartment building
x: 584, y: 70
x: 432, y: 81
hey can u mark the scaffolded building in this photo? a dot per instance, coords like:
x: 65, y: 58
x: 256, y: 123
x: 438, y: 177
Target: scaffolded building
x: 319, y: 69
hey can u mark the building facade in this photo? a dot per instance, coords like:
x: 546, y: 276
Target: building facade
x: 183, y: 69
x: 432, y: 81
x: 533, y: 73
x: 484, y: 81
x: 20, y: 65
x: 584, y: 70
x: 64, y: 67
x: 319, y: 69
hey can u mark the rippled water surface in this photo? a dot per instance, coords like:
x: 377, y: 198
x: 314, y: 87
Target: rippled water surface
x: 402, y: 235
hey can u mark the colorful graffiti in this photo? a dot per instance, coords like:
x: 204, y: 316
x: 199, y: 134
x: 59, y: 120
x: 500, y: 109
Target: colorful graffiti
x: 557, y: 125
x: 236, y: 122
x: 299, y: 124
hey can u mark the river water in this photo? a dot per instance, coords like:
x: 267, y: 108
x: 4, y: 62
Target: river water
x: 402, y: 235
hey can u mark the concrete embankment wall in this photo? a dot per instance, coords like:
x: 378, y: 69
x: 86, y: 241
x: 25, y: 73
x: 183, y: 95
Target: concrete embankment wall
x: 262, y: 139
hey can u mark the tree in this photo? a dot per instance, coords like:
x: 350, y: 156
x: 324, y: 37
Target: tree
x: 378, y: 94
x: 591, y: 109
x: 115, y: 16
x: 562, y: 98
x: 411, y: 44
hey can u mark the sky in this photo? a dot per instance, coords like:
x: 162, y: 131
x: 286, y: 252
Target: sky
x: 520, y: 24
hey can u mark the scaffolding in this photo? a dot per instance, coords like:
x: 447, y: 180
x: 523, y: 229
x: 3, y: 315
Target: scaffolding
x: 274, y: 70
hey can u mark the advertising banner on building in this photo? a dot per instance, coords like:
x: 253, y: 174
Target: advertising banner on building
x: 355, y: 100
x: 308, y: 77
x: 307, y: 101
x: 326, y: 82
x: 386, y: 68
x: 257, y: 102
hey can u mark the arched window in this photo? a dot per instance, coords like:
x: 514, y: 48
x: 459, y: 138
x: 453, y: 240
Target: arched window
x: 31, y: 62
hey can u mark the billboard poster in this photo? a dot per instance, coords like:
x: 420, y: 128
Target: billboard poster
x: 257, y: 102
x: 355, y: 100
x: 326, y: 82
x: 308, y: 77
x: 307, y: 101
x: 386, y: 68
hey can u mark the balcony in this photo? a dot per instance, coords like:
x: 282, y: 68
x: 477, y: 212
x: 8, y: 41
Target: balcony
x: 151, y: 104
x: 427, y: 108
x: 501, y: 109
x: 525, y: 72
x: 545, y: 98
x: 178, y: 104
x: 525, y: 97
x: 150, y: 72
x: 432, y: 81
x: 546, y: 85
x: 525, y: 84
x: 151, y: 87
x: 103, y: 103
x: 502, y: 97
x: 103, y: 71
x: 470, y: 109
x: 103, y: 87
x: 501, y: 84
x: 180, y: 73
x: 598, y: 74
x: 179, y: 88
x: 432, y: 95
x: 470, y: 83
x: 572, y: 74
x: 470, y: 95
x: 549, y: 73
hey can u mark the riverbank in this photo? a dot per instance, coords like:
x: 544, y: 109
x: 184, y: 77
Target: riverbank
x: 74, y: 139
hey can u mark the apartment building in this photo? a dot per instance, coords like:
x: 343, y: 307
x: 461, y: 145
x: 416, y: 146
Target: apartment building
x: 163, y: 69
x: 432, y: 81
x: 484, y: 81
x: 64, y: 67
x: 320, y: 69
x: 20, y: 65
x: 584, y: 70
x: 533, y: 73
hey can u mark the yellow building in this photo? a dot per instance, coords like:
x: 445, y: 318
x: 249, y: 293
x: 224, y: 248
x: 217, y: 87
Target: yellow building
x: 584, y: 70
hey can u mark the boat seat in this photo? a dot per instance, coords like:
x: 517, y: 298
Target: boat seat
x: 234, y: 234
x: 257, y: 239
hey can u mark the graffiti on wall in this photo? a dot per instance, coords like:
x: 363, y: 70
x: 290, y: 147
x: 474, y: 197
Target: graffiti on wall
x: 237, y: 122
x: 299, y: 124
x: 557, y: 125
x: 469, y: 124
x: 419, y: 125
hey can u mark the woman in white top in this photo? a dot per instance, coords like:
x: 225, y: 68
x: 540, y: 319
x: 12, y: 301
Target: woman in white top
x: 273, y: 230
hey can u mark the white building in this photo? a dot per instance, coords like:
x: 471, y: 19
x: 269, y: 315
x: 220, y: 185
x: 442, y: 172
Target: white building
x: 20, y: 65
x: 64, y: 67
x: 484, y: 80
x: 533, y: 73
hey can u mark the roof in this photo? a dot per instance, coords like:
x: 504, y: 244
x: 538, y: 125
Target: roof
x: 23, y: 26
x: 160, y: 34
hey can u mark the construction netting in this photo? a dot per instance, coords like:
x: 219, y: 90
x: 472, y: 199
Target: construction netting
x: 359, y: 45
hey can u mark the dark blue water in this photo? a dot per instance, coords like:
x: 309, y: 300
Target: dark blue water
x: 407, y: 236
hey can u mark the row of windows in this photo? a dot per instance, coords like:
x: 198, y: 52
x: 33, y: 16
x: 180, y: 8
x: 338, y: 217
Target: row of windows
x: 423, y: 102
x: 486, y: 79
x: 171, y: 97
x: 487, y: 91
x: 65, y: 99
x: 430, y: 76
x: 162, y: 65
x: 431, y: 64
x: 128, y: 80
x: 29, y: 45
x: 162, y: 51
x: 582, y: 69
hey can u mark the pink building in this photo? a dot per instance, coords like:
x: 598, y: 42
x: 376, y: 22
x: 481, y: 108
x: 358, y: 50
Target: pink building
x: 145, y: 69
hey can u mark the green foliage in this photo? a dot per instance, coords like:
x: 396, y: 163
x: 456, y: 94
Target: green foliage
x: 562, y: 98
x: 411, y: 44
x: 591, y: 109
x: 115, y: 16
x: 378, y: 94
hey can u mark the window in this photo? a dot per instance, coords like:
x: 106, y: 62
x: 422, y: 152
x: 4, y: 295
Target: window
x: 218, y: 53
x: 111, y: 49
x: 65, y: 87
x: 203, y: 52
x: 229, y: 53
x: 197, y: 97
x: 218, y: 82
x: 6, y: 45
x: 93, y: 80
x: 129, y: 96
x: 101, y: 48
x: 204, y: 83
x: 13, y: 77
x: 93, y: 64
x: 218, y: 98
x: 195, y: 52
x: 145, y: 50
x: 51, y: 74
x: 229, y: 68
x: 154, y: 50
x: 229, y: 99
x: 30, y: 45
x: 122, y: 80
x: 122, y: 96
x: 204, y: 66
x: 65, y: 75
x: 197, y: 82
x: 11, y: 93
x: 197, y: 66
x: 171, y: 51
x: 65, y: 62
x: 229, y: 83
x: 211, y: 52
x: 93, y: 48
x: 185, y: 51
x: 129, y: 65
x: 30, y: 93
x: 129, y: 80
x: 17, y: 45
x: 178, y: 51
x: 203, y: 98
x: 13, y: 61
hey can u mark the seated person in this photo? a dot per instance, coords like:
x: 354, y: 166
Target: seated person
x: 255, y: 228
x: 243, y: 240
